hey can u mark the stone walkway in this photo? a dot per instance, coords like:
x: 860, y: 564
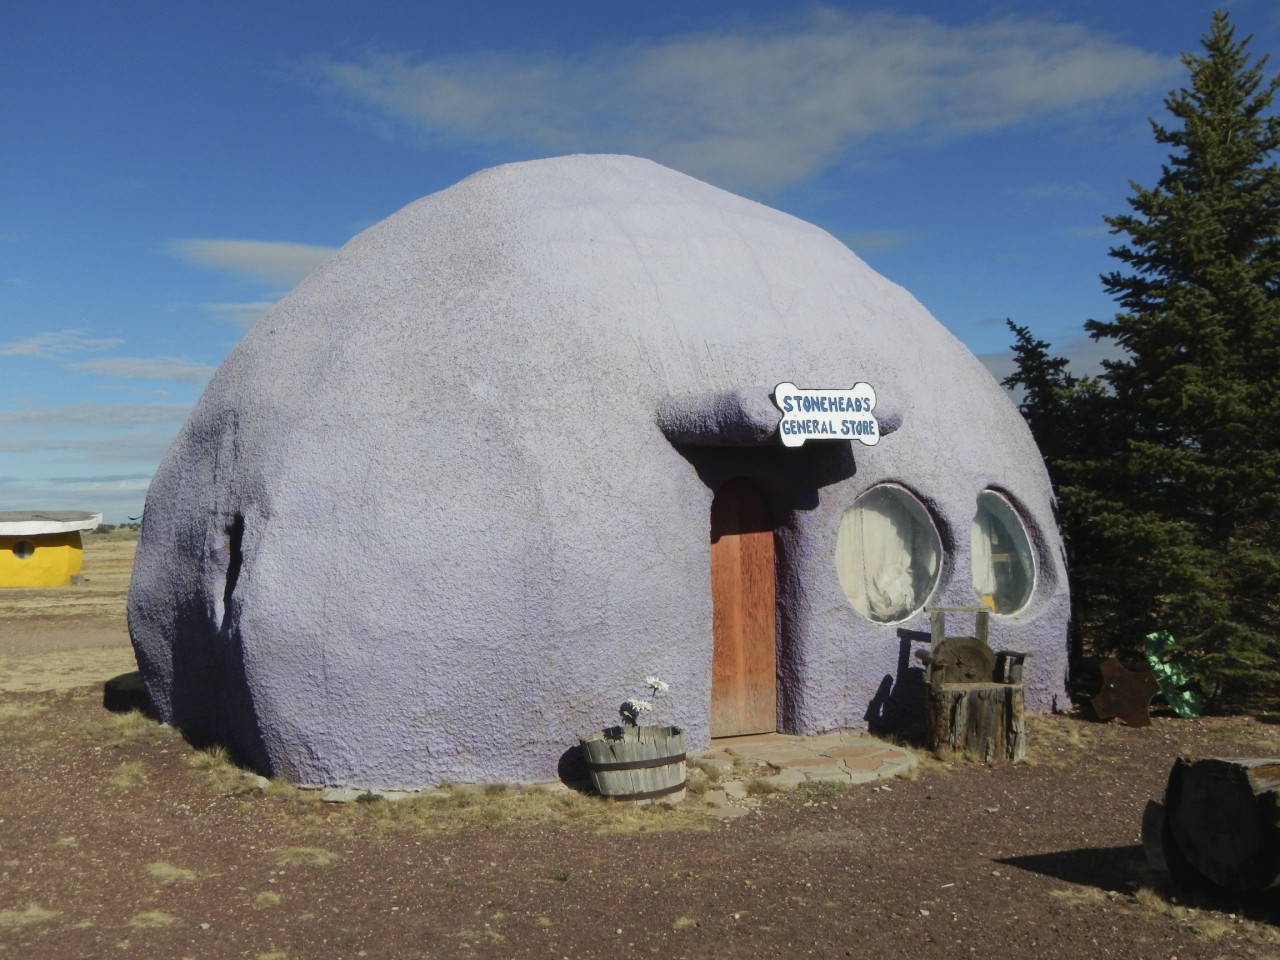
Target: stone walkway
x: 845, y: 757
x: 778, y: 761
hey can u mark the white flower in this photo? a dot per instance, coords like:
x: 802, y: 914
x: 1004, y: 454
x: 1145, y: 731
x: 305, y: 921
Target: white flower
x: 631, y: 709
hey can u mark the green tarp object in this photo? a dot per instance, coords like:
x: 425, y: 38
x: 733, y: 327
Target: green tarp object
x: 1172, y: 675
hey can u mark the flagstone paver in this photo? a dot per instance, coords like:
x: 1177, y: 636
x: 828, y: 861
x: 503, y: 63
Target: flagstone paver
x: 860, y: 751
x: 848, y: 757
x: 863, y: 764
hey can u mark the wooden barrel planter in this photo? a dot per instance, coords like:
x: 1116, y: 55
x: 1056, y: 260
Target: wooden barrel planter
x: 1221, y: 819
x: 637, y: 763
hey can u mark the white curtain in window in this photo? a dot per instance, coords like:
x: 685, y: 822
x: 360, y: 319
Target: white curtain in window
x: 984, y: 573
x: 887, y: 554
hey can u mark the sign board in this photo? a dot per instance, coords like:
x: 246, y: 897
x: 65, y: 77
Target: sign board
x: 827, y: 414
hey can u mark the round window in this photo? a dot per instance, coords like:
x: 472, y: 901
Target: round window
x: 1004, y: 571
x: 23, y: 549
x: 887, y: 554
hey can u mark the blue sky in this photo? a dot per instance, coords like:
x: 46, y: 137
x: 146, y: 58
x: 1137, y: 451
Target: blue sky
x: 171, y: 169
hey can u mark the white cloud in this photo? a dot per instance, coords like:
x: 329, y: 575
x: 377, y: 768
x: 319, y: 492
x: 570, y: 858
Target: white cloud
x: 135, y: 389
x: 58, y: 345
x: 1084, y: 354
x: 139, y: 368
x: 117, y: 498
x: 132, y: 481
x: 279, y: 263
x: 761, y: 106
x: 132, y: 448
x: 85, y: 486
x: 241, y: 314
x: 94, y: 416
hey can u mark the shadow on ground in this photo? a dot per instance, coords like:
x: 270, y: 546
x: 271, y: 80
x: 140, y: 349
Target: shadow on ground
x: 1116, y: 869
x: 126, y: 692
x: 1107, y: 868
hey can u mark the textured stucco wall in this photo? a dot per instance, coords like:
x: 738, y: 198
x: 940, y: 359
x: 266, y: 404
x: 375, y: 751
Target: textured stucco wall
x: 425, y: 524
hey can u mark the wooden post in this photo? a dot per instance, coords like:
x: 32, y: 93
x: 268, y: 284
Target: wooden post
x: 937, y: 627
x: 1221, y: 817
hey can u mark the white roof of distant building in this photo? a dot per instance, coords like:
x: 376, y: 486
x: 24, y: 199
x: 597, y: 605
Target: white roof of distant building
x: 29, y: 523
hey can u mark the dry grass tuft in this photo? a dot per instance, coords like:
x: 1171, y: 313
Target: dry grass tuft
x: 152, y: 918
x: 125, y: 729
x: 223, y: 775
x: 61, y: 670
x: 283, y: 790
x: 1152, y: 900
x: 304, y: 857
x: 712, y: 773
x: 23, y: 918
x: 168, y: 873
x: 696, y: 784
x: 21, y: 711
x: 1054, y: 739
x: 1079, y: 896
x: 463, y: 806
x: 1210, y: 928
x: 211, y: 758
x: 820, y: 788
x: 1206, y: 925
x: 951, y: 757
x: 761, y: 787
x: 220, y: 772
x: 928, y: 762
x: 1262, y: 739
x: 129, y: 775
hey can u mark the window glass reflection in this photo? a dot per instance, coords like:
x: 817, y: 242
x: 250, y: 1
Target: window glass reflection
x: 1004, y: 570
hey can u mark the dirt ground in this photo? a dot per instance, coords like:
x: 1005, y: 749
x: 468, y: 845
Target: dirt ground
x: 119, y: 839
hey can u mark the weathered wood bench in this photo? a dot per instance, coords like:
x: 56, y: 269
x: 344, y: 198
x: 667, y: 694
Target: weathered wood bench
x: 973, y: 697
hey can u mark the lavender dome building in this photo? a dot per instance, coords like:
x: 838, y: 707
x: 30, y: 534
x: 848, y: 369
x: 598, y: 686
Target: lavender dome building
x: 514, y: 448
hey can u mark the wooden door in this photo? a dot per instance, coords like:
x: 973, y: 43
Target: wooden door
x: 744, y: 661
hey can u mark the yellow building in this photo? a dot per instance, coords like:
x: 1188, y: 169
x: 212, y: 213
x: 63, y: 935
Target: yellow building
x: 42, y: 548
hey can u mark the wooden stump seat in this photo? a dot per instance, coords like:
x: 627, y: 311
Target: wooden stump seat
x: 973, y: 699
x: 1220, y: 823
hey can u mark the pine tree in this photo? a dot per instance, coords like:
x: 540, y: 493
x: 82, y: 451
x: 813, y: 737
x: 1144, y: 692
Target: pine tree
x: 1193, y: 500
x: 1045, y: 383
x: 1080, y: 435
